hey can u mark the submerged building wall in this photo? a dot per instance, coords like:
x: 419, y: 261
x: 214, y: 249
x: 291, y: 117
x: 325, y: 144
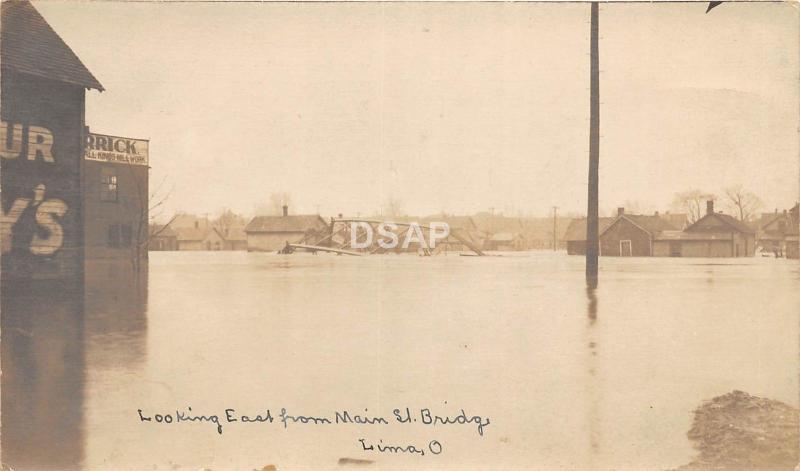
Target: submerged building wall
x: 42, y: 147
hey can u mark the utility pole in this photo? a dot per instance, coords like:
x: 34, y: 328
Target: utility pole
x: 555, y: 225
x: 592, y: 243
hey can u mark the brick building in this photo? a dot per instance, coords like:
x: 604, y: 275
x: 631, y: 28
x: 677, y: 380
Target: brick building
x: 116, y: 197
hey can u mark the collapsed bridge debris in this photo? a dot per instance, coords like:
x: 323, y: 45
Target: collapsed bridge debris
x: 353, y: 236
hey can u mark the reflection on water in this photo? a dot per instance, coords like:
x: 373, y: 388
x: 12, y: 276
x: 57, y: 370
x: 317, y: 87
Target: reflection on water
x: 571, y: 378
x: 42, y: 382
x: 591, y: 305
x: 594, y: 391
x: 51, y: 336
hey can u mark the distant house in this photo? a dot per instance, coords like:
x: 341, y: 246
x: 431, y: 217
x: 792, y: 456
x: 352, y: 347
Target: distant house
x: 271, y: 233
x: 792, y: 243
x: 213, y: 240
x: 776, y: 231
x: 505, y: 241
x: 186, y: 221
x: 536, y: 232
x: 462, y: 229
x: 627, y: 235
x: 713, y: 235
x: 235, y: 238
x: 491, y: 224
x: 162, y: 238
x: 199, y: 238
x: 632, y: 235
x: 575, y: 236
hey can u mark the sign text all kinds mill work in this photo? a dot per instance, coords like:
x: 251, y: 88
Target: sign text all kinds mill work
x: 104, y: 148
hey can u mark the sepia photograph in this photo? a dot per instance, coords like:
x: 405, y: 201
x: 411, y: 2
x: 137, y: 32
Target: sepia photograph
x: 399, y: 235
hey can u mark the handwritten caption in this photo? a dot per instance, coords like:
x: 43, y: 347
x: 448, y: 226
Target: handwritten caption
x: 285, y: 419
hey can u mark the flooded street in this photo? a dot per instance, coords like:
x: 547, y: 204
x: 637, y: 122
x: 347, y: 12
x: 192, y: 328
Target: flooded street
x: 517, y: 339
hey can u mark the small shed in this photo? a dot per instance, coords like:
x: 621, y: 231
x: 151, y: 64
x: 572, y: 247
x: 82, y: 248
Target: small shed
x: 775, y: 230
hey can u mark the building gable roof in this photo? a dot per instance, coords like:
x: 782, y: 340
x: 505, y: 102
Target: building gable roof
x: 726, y: 219
x: 291, y: 223
x: 651, y: 224
x: 159, y: 230
x: 189, y: 234
x: 30, y: 46
x: 576, y: 231
x: 768, y: 219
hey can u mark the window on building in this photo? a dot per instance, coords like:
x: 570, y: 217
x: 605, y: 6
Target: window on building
x: 126, y: 235
x: 108, y: 187
x: 113, y: 236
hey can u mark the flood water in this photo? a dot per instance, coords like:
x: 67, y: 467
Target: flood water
x: 569, y: 378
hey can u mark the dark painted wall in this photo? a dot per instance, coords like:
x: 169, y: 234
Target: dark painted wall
x: 41, y: 197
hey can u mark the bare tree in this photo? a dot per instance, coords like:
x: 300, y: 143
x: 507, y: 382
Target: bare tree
x: 744, y: 204
x: 274, y: 207
x: 150, y: 208
x: 393, y: 207
x: 693, y: 203
x: 227, y: 220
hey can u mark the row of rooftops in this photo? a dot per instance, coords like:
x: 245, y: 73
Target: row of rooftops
x: 666, y: 226
x: 189, y: 227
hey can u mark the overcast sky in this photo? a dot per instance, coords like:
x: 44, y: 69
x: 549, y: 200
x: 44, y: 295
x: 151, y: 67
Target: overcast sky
x: 454, y: 107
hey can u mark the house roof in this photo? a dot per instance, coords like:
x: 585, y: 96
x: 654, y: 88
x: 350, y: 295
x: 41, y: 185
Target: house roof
x: 769, y: 218
x: 190, y: 220
x: 188, y: 234
x: 576, y: 231
x: 794, y: 221
x: 291, y: 223
x: 728, y: 220
x: 683, y: 235
x: 652, y: 224
x: 30, y: 46
x: 158, y: 230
